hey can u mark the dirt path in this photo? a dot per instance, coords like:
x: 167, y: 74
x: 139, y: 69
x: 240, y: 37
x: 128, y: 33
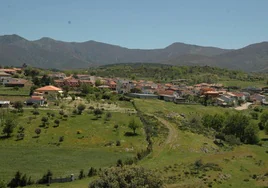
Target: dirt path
x: 243, y: 106
x: 172, y: 133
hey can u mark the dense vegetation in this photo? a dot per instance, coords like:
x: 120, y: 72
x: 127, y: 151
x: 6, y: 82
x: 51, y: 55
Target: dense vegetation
x: 166, y: 73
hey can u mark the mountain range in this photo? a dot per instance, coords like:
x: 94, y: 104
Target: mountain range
x: 50, y: 53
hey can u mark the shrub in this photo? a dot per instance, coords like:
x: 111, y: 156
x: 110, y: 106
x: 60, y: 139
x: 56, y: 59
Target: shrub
x: 92, y: 172
x: 81, y: 174
x: 254, y: 115
x: 232, y: 140
x: 57, y: 122
x: 45, y: 178
x: 61, y: 139
x: 118, y: 143
x: 127, y: 176
x: 81, y: 108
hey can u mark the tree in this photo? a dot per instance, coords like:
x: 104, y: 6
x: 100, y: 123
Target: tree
x: 9, y: 126
x: 57, y: 122
x: 44, y: 120
x: 15, y: 182
x: 264, y: 118
x: 37, y: 131
x: 35, y: 106
x: 135, y: 90
x: 81, y: 107
x: 127, y: 176
x: 266, y: 127
x: 35, y: 113
x: 235, y: 124
x: 133, y: 125
x: 108, y: 116
x: 97, y: 82
x: 46, y: 177
x: 251, y: 134
x: 18, y: 105
x: 214, y: 121
x: 97, y: 112
x: 81, y: 174
x: 61, y: 112
x: 92, y: 172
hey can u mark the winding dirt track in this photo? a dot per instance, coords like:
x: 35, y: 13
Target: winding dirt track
x: 172, y: 133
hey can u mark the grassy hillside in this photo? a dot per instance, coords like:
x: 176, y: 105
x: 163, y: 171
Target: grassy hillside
x: 177, y: 158
x: 166, y: 73
x: 87, y: 142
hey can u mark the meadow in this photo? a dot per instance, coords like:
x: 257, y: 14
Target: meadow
x: 182, y: 158
x: 175, y: 159
x: 88, y: 142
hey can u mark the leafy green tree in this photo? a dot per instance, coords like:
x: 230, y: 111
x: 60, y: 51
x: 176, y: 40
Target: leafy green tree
x: 92, y: 172
x: 9, y: 126
x: 266, y: 127
x: 57, y: 122
x: 80, y: 108
x: 97, y: 112
x: 97, y: 82
x: 15, y: 182
x: 44, y: 120
x: 18, y: 105
x: 214, y: 121
x: 251, y: 134
x: 264, y: 117
x: 81, y: 174
x: 235, y: 124
x: 37, y: 131
x: 133, y: 125
x: 35, y: 106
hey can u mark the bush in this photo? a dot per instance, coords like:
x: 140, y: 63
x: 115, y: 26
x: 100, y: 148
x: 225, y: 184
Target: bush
x: 92, y: 172
x: 81, y: 174
x: 127, y: 176
x: 81, y: 108
x: 45, y: 178
x: 254, y: 115
x: 118, y: 143
x: 232, y: 140
x: 61, y: 139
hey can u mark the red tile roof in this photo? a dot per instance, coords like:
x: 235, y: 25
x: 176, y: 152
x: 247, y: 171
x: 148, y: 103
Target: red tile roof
x: 48, y: 88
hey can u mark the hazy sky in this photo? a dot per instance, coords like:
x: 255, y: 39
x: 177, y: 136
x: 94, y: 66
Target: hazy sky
x: 139, y: 23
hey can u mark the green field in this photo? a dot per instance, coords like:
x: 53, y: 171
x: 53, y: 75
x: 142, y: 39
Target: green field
x: 10, y: 91
x: 174, y: 151
x: 243, y: 84
x: 94, y: 146
x: 183, y: 148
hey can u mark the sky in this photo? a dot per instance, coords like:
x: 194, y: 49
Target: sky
x: 144, y: 24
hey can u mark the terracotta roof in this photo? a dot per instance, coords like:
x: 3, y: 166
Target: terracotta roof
x: 48, y: 88
x: 167, y: 92
x: 7, y: 70
x: 4, y: 74
x: 112, y: 83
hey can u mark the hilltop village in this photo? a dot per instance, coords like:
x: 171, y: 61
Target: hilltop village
x: 57, y: 84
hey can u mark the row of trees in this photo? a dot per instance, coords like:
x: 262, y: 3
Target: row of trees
x: 236, y: 124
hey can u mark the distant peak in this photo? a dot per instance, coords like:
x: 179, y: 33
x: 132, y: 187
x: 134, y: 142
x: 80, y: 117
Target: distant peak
x: 11, y: 38
x: 46, y: 39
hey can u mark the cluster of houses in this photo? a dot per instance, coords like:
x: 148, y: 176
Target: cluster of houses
x: 176, y: 91
x: 7, y: 79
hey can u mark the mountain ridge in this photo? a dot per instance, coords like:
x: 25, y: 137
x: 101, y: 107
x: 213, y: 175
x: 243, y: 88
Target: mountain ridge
x: 50, y: 53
